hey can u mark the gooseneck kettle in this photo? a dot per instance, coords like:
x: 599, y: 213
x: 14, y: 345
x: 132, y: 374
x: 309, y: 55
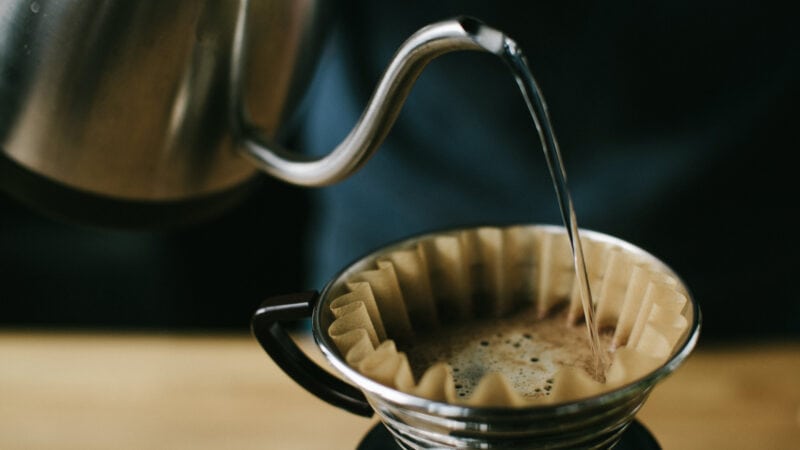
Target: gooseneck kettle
x: 170, y: 102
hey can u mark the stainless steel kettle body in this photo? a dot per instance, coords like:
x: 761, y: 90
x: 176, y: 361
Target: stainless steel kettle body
x: 157, y: 102
x: 131, y: 99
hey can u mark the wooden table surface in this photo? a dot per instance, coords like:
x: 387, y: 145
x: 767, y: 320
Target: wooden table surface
x: 93, y: 390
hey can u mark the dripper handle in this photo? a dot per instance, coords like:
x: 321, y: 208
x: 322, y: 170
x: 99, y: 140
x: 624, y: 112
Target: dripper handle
x: 268, y: 330
x: 463, y: 33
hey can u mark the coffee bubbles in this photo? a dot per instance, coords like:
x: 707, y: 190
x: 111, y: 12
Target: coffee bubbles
x: 528, y: 351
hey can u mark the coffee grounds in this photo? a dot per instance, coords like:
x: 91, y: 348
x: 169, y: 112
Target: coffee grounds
x: 527, y: 351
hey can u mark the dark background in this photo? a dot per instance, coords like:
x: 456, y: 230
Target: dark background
x: 63, y: 272
x: 677, y: 123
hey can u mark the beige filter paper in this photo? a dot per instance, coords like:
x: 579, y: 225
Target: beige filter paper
x: 408, y: 289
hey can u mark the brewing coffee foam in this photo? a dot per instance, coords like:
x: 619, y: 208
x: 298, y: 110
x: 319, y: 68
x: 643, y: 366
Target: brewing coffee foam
x: 527, y: 350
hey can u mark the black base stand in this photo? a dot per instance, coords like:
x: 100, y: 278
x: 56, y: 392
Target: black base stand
x: 635, y: 437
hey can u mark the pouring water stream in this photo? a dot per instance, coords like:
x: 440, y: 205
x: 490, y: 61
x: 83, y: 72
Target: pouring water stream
x: 537, y: 108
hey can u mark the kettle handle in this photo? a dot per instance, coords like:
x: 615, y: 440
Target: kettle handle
x: 463, y: 33
x: 268, y: 330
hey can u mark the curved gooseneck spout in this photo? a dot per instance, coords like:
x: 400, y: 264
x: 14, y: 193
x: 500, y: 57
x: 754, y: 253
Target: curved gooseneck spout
x: 377, y: 119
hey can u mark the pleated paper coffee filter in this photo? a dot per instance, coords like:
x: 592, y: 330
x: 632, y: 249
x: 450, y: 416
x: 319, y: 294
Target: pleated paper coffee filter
x: 519, y: 280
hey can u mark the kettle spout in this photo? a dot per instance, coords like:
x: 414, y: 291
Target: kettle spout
x: 463, y: 33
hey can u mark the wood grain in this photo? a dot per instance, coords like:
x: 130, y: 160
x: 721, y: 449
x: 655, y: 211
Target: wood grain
x: 81, y: 390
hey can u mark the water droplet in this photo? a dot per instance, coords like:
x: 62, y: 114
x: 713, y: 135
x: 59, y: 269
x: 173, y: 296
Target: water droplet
x: 35, y: 7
